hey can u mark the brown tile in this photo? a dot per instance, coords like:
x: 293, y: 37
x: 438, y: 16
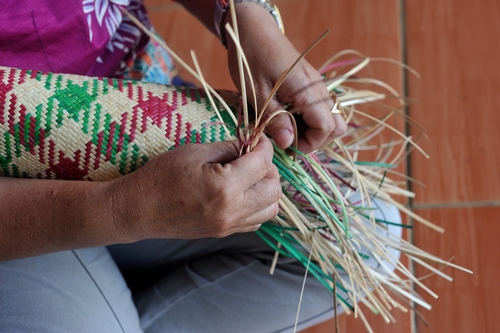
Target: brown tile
x: 155, y: 5
x: 350, y: 324
x: 454, y: 45
x: 184, y: 33
x: 374, y: 32
x: 470, y: 302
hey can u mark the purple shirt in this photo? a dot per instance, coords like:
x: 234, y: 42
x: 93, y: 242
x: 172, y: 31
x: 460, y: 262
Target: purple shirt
x: 88, y: 37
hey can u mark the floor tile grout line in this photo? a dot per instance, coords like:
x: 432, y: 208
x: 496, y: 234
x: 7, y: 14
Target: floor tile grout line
x: 408, y: 166
x: 451, y: 205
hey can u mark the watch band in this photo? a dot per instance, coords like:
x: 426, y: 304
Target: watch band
x: 222, y: 7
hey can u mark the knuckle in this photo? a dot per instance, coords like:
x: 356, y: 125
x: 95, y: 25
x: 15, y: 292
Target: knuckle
x: 273, y: 210
x: 256, y: 227
x: 340, y: 129
x: 265, y: 164
x: 277, y: 191
x: 330, y: 126
x: 222, y: 225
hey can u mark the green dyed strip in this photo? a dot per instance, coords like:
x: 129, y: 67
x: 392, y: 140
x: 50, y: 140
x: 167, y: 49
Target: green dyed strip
x: 8, y: 150
x: 17, y: 140
x: 203, y: 134
x: 38, y: 123
x: 196, y: 95
x: 213, y: 134
x: 313, y: 268
x: 208, y: 105
x: 306, y: 192
x: 272, y: 245
x: 114, y: 146
x: 27, y: 132
x: 135, y: 158
x: 85, y: 121
x: 105, y: 137
x: 387, y: 222
x: 222, y: 133
x: 124, y: 154
x: 377, y: 164
x: 48, y: 80
x: 15, y: 171
x: 105, y: 88
x: 48, y: 115
x: 5, y: 161
x: 95, y: 125
x: 95, y: 88
x: 58, y: 82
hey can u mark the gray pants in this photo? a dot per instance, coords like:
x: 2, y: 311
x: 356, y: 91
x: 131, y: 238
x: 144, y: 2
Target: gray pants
x: 226, y: 289
x: 208, y: 285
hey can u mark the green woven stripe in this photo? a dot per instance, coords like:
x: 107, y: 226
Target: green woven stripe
x: 6, y: 160
x: 114, y: 143
x: 123, y: 166
x: 38, y: 123
x: 105, y: 137
x: 95, y: 124
x: 48, y: 81
x: 15, y: 171
x: 17, y: 142
x: 26, y: 129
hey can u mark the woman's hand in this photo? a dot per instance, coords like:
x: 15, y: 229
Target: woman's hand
x: 197, y: 191
x: 269, y: 54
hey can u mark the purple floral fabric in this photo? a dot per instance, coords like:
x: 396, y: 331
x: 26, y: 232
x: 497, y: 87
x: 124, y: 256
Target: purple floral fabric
x: 89, y: 37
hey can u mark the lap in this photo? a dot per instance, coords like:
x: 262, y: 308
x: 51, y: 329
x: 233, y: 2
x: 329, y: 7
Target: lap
x: 209, y: 285
x: 70, y: 291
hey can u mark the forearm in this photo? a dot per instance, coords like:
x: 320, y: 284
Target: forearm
x: 203, y: 10
x: 41, y: 216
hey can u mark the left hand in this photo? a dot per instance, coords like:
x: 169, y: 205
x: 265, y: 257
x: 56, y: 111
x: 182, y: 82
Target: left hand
x: 269, y: 54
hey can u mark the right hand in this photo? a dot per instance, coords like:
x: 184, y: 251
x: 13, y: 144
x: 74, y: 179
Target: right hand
x: 198, y: 191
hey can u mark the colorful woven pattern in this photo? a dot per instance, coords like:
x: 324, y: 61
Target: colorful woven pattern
x: 61, y: 126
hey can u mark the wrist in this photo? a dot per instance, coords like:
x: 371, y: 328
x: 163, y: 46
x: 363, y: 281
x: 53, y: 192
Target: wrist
x: 222, y: 15
x: 124, y: 207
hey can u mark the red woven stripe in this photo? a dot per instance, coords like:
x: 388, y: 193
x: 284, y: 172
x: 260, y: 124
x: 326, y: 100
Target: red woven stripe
x: 5, y: 88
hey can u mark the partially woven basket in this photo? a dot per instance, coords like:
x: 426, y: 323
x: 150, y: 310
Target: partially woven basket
x: 62, y: 126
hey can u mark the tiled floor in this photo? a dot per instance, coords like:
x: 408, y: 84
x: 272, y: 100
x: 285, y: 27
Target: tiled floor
x: 454, y: 44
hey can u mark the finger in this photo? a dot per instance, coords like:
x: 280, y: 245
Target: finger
x: 264, y: 215
x: 280, y: 127
x: 218, y: 152
x: 340, y: 129
x: 317, y: 116
x: 310, y: 97
x: 249, y: 229
x: 253, y: 166
x: 264, y: 193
